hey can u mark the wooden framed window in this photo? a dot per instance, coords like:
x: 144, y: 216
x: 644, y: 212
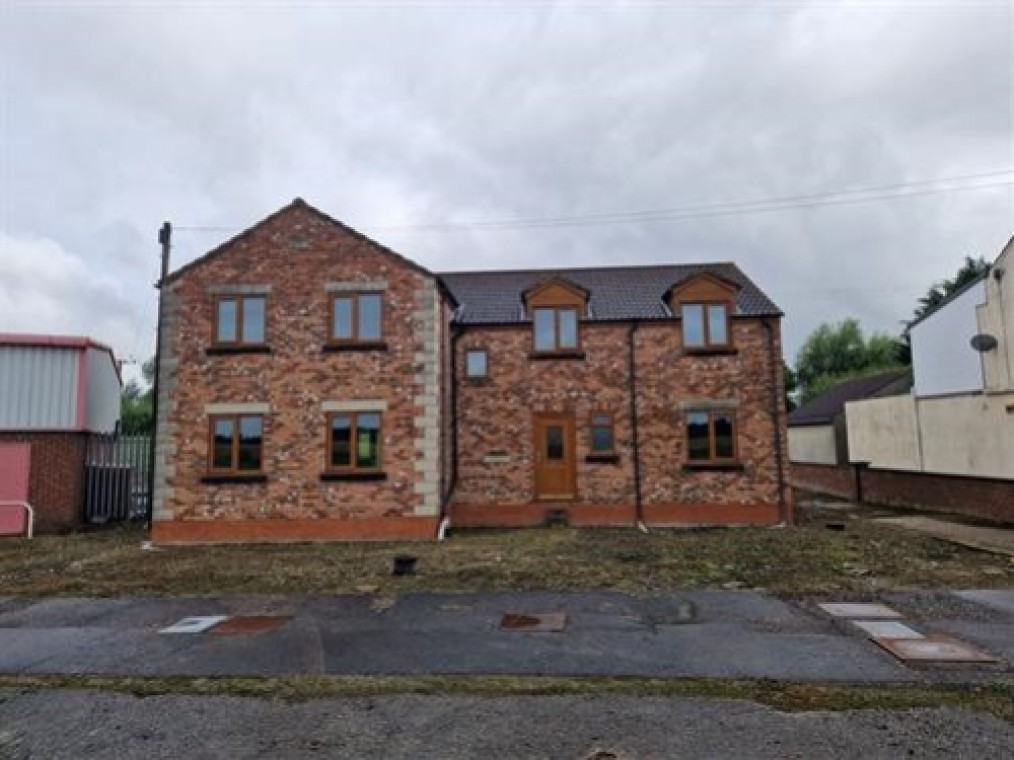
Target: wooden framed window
x: 353, y: 442
x: 240, y: 320
x: 356, y: 318
x: 555, y: 329
x: 705, y: 325
x: 602, y: 438
x: 476, y: 363
x: 711, y: 437
x: 236, y: 444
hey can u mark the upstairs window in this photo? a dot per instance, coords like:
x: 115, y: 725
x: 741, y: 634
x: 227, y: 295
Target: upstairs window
x: 353, y: 443
x: 705, y: 325
x: 555, y: 329
x: 236, y: 444
x: 711, y: 437
x: 239, y: 320
x: 356, y: 318
x: 476, y: 363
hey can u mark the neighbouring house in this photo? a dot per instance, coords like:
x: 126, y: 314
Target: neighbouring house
x: 55, y: 391
x: 317, y: 385
x: 818, y: 441
x: 949, y: 445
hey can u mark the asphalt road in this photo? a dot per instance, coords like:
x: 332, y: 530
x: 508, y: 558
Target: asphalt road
x: 78, y: 724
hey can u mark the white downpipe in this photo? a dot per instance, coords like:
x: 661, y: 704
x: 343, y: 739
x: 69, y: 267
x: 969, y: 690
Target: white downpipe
x: 445, y: 525
x: 642, y: 527
x: 28, y: 511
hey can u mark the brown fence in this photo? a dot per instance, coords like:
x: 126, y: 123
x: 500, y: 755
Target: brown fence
x: 116, y: 478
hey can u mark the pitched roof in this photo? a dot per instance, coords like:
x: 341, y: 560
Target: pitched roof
x: 617, y: 293
x: 297, y: 203
x: 830, y: 403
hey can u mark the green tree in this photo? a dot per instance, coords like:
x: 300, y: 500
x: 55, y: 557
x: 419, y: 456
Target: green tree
x: 791, y: 386
x: 833, y: 353
x: 137, y: 403
x: 970, y: 270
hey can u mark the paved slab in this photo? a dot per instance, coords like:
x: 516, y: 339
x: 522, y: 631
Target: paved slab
x: 859, y: 610
x: 888, y: 629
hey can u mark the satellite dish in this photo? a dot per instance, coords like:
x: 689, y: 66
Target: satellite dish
x: 983, y: 342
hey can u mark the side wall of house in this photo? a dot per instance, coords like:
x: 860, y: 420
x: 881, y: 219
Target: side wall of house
x: 103, y: 393
x: 299, y: 260
x: 495, y: 426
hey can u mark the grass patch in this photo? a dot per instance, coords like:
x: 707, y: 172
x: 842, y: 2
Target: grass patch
x: 995, y: 699
x: 807, y: 559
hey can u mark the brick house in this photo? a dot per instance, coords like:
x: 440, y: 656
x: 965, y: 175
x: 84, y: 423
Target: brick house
x: 317, y: 385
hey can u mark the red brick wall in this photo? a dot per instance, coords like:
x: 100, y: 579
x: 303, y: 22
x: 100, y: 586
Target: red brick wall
x: 296, y: 253
x: 495, y: 415
x: 975, y: 497
x: 835, y: 480
x: 56, y: 478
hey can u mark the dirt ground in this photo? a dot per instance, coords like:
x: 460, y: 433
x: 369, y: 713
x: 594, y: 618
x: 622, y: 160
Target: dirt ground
x: 830, y: 550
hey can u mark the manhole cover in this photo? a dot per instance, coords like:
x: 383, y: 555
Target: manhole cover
x: 250, y: 624
x: 197, y: 624
x: 938, y: 648
x: 545, y: 622
x: 851, y: 610
x: 887, y: 629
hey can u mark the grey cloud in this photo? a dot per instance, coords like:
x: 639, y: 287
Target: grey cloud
x: 121, y: 116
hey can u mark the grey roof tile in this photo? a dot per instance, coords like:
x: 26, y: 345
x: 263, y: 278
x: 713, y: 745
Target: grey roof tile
x: 617, y: 293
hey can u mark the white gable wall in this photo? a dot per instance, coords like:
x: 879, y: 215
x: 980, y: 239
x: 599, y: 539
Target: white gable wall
x: 943, y: 360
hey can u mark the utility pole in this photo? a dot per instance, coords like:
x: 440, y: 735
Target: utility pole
x: 165, y: 241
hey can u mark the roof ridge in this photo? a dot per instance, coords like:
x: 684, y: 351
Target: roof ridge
x: 601, y: 268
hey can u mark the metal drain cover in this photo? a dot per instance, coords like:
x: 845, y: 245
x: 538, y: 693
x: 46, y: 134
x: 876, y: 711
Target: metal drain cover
x: 547, y: 622
x: 249, y: 624
x: 937, y: 648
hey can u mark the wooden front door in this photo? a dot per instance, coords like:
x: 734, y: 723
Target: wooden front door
x: 555, y: 457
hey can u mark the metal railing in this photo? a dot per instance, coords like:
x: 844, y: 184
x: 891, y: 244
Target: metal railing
x: 116, y: 478
x: 29, y: 514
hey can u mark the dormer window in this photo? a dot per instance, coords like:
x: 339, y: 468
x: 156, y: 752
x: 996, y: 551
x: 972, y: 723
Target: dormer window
x: 555, y: 306
x: 705, y: 325
x: 555, y: 329
x: 704, y: 304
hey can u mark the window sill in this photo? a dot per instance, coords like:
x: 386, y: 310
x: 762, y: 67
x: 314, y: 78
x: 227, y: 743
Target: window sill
x: 364, y: 345
x: 352, y: 475
x: 235, y: 478
x: 712, y: 351
x: 479, y: 381
x: 259, y: 348
x: 603, y: 458
x: 550, y: 355
x: 713, y: 467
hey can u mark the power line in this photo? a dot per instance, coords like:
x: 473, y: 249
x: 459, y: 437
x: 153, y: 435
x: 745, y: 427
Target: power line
x: 845, y: 196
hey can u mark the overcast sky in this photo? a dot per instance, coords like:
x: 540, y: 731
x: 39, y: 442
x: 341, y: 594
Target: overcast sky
x: 392, y: 116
